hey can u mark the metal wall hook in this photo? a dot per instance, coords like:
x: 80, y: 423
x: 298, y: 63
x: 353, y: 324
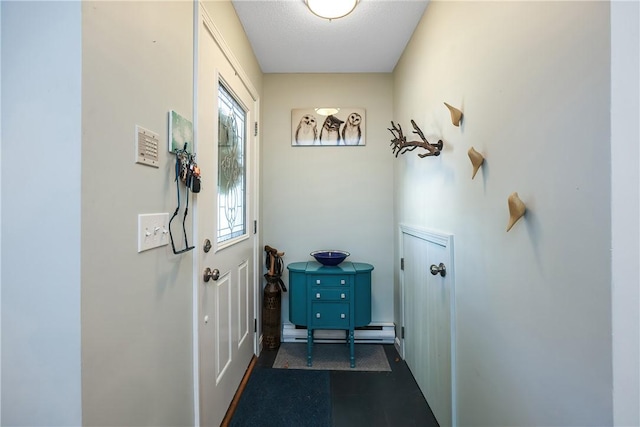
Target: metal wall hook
x: 438, y: 269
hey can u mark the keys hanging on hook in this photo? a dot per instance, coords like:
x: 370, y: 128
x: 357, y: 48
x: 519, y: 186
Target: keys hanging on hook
x: 183, y: 159
x: 194, y: 171
x: 182, y: 174
x: 184, y: 167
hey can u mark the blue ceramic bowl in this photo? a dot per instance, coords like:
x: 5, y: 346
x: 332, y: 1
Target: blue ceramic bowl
x: 330, y: 258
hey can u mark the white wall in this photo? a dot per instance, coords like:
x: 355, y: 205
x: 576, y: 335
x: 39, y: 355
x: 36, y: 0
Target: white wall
x: 534, y: 304
x: 0, y: 208
x: 41, y: 145
x: 228, y: 23
x: 534, y: 321
x: 330, y: 197
x: 625, y: 158
x: 137, y: 353
x: 81, y: 77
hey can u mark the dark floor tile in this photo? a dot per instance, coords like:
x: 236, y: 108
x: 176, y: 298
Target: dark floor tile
x: 372, y: 399
x: 399, y: 381
x: 267, y: 357
x: 357, y: 411
x: 408, y: 409
x: 347, y: 383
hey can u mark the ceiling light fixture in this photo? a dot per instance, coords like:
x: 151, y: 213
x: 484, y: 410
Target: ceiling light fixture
x: 327, y: 111
x: 331, y: 9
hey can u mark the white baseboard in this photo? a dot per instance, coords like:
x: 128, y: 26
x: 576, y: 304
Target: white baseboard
x: 380, y: 333
x: 398, y: 346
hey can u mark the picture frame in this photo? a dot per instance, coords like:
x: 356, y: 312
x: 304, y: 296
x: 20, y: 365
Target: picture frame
x: 180, y: 132
x: 343, y: 126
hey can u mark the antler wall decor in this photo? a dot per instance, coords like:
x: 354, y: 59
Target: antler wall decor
x: 400, y: 145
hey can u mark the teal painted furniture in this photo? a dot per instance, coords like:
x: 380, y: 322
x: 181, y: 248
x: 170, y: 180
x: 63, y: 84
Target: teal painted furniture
x: 322, y: 297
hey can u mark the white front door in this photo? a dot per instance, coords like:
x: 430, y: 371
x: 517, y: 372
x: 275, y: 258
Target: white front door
x: 428, y: 318
x: 225, y: 214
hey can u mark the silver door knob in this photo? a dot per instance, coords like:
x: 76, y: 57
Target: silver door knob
x: 211, y: 274
x: 438, y: 269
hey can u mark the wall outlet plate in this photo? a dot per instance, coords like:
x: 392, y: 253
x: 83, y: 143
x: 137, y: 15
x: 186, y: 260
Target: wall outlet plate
x: 153, y: 231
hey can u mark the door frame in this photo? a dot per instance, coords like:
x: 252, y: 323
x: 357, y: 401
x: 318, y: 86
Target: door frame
x: 202, y: 17
x: 445, y: 240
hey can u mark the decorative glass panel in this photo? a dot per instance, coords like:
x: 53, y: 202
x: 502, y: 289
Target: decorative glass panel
x: 231, y: 167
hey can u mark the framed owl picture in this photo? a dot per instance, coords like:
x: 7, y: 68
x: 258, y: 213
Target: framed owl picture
x: 328, y: 127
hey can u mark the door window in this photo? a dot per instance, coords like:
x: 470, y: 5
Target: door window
x: 232, y: 204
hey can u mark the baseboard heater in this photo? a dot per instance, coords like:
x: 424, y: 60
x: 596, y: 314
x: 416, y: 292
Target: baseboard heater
x: 378, y: 333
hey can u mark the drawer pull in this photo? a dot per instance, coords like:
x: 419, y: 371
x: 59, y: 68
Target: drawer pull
x: 318, y: 295
x: 317, y: 281
x: 342, y: 316
x: 342, y: 282
x: 342, y: 296
x: 317, y: 315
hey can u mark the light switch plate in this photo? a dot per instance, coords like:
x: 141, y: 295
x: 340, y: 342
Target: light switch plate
x: 153, y: 231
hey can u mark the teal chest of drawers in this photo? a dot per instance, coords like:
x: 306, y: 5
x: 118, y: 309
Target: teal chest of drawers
x: 323, y: 297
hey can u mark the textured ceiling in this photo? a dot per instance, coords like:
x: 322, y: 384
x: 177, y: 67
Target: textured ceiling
x: 287, y: 38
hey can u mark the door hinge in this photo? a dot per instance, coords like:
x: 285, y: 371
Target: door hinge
x: 255, y: 325
x: 401, y: 263
x: 255, y: 226
x: 255, y: 129
x: 402, y: 332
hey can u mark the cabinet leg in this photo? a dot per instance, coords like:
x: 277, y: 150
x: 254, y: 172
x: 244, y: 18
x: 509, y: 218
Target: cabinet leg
x: 352, y: 357
x: 309, y: 345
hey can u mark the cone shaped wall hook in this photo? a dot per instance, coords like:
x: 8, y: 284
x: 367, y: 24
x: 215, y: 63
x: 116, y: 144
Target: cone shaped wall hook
x: 516, y: 209
x: 476, y: 160
x: 456, y: 115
